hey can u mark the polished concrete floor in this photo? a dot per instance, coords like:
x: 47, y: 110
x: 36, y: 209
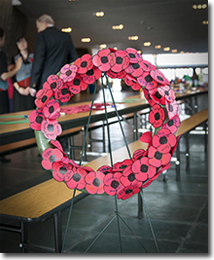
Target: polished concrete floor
x: 177, y: 210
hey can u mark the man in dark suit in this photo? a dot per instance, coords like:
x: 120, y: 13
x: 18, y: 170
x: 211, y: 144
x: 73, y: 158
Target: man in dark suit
x: 53, y: 49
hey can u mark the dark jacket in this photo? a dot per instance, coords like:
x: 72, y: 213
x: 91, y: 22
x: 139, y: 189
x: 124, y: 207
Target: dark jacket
x: 53, y: 49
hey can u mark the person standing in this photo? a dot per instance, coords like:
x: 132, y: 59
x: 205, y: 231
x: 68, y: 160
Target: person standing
x: 53, y: 49
x: 5, y: 75
x: 22, y: 100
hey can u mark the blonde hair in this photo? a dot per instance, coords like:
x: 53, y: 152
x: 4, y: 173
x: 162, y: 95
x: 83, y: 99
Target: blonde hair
x: 45, y: 18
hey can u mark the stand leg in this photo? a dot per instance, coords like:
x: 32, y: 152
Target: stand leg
x: 187, y: 151
x: 24, y: 237
x: 58, y: 232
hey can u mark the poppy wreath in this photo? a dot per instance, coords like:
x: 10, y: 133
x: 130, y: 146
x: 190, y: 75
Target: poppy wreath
x: 125, y: 178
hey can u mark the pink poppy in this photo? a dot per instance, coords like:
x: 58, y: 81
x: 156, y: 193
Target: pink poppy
x: 116, y: 75
x: 164, y: 140
x: 149, y: 181
x: 94, y: 182
x: 35, y: 118
x: 147, y: 81
x: 105, y: 169
x: 62, y: 171
x: 57, y: 145
x: 167, y: 92
x: 78, y: 179
x: 148, y: 66
x: 104, y: 59
x: 157, y: 116
x: 76, y: 85
x: 135, y: 69
x: 143, y: 169
x: 84, y: 63
x: 91, y: 75
x: 51, y: 128
x: 138, y: 154
x: 87, y: 169
x: 158, y: 76
x: 134, y: 56
x: 70, y: 162
x: 43, y: 96
x: 128, y: 178
x: 156, y: 158
x: 148, y: 97
x: 155, y: 95
x: 63, y: 94
x: 121, y: 62
x: 121, y: 166
x: 52, y: 109
x: 146, y: 138
x: 173, y: 148
x: 53, y: 83
x: 68, y: 72
x: 112, y: 183
x: 50, y: 156
x: 127, y: 192
x: 132, y: 82
x: 173, y: 124
x: 173, y: 109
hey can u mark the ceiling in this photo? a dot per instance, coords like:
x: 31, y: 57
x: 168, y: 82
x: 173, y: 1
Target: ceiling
x: 169, y: 23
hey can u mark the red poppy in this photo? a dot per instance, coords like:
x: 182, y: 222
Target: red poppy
x: 57, y: 145
x: 86, y: 168
x: 52, y: 109
x: 94, y: 182
x: 121, y: 62
x: 84, y: 63
x: 148, y: 66
x: 43, y: 96
x: 68, y: 72
x: 116, y: 75
x: 164, y: 140
x: 128, y: 178
x: 62, y: 171
x: 76, y: 85
x: 112, y: 183
x: 158, y: 76
x: 162, y: 169
x: 53, y: 83
x: 35, y: 118
x: 148, y: 97
x: 127, y: 192
x: 51, y: 128
x: 78, y: 179
x: 134, y: 56
x: 132, y: 82
x: 50, y: 156
x: 147, y: 81
x: 135, y: 69
x: 155, y: 95
x: 70, y: 162
x: 63, y: 94
x: 173, y: 109
x: 146, y: 138
x: 121, y: 166
x: 157, y: 158
x: 143, y: 169
x: 157, y: 116
x: 91, y: 75
x: 167, y: 92
x: 173, y: 148
x: 104, y: 59
x: 173, y: 124
x: 138, y: 154
x: 105, y: 169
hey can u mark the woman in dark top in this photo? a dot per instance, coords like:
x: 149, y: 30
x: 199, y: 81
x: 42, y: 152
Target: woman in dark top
x: 21, y: 98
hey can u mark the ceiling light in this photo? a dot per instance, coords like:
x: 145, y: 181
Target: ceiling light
x: 102, y: 46
x: 67, y: 30
x: 194, y: 6
x: 117, y: 27
x: 85, y: 40
x: 174, y: 51
x: 147, y: 44
x: 199, y: 6
x: 166, y: 48
x: 99, y: 14
x: 157, y: 46
x: 133, y: 38
x: 205, y: 22
x: 139, y: 52
x: 115, y: 48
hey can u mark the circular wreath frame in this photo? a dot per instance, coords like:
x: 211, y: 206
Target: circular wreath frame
x: 125, y: 178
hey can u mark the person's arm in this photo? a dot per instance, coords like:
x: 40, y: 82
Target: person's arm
x: 22, y: 91
x: 9, y: 74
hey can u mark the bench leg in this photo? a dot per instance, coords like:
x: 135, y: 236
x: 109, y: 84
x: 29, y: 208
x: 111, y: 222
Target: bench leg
x: 57, y: 232
x: 140, y: 206
x: 24, y: 237
x: 104, y: 137
x: 177, y: 163
x: 205, y: 137
x: 135, y: 127
x: 187, y: 151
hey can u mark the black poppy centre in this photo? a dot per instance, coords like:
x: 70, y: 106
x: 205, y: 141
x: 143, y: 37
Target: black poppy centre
x: 44, y: 98
x: 53, y: 85
x: 50, y: 128
x: 90, y: 72
x: 104, y: 59
x: 157, y: 95
x: 144, y: 168
x: 158, y: 155
x: 51, y: 109
x: 157, y: 116
x: 128, y: 191
x: 62, y: 170
x: 135, y: 66
x: 76, y: 177
x: 163, y: 140
x: 68, y: 73
x: 83, y: 64
x: 170, y: 123
x: 132, y: 55
x: 64, y: 91
x: 39, y: 119
x: 76, y: 82
x: 170, y: 108
x: 96, y: 182
x: 114, y: 184
x: 160, y: 78
x: 131, y: 177
x: 119, y: 60
x: 148, y: 79
x: 52, y: 158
